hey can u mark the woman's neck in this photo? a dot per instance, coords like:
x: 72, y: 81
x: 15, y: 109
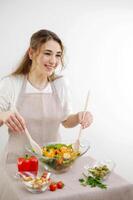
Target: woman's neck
x: 37, y: 80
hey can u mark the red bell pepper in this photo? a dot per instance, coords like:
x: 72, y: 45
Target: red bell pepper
x: 28, y: 163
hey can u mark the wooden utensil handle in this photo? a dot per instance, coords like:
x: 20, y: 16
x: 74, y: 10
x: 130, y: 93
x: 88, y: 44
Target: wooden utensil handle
x: 85, y: 109
x: 28, y: 134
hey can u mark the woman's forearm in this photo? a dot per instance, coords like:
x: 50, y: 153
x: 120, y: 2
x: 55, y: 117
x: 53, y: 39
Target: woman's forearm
x: 71, y: 121
x: 83, y: 118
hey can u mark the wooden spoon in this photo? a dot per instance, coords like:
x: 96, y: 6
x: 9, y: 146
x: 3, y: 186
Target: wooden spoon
x: 76, y: 145
x: 34, y: 145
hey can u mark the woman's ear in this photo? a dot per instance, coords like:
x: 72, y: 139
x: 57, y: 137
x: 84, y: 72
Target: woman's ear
x: 30, y: 52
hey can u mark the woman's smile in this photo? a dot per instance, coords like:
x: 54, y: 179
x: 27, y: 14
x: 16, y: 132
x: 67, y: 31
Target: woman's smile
x: 49, y: 67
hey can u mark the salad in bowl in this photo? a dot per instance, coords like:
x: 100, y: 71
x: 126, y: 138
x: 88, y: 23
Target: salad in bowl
x: 101, y: 169
x: 58, y: 157
x: 35, y: 183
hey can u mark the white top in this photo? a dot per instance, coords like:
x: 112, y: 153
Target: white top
x: 31, y: 89
x: 10, y: 87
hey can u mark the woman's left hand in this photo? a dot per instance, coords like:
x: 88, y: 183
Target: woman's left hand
x: 85, y: 119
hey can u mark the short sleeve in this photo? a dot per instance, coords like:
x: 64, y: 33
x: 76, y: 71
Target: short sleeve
x: 64, y: 93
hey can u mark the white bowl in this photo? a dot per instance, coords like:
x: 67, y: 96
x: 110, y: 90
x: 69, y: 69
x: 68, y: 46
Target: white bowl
x: 108, y: 163
x: 34, y: 184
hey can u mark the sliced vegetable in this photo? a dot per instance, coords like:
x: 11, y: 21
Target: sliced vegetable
x: 99, y: 171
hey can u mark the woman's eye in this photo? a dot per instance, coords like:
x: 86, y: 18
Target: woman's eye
x: 48, y: 54
x: 59, y: 56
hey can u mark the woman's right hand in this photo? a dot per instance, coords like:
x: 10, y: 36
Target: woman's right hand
x: 14, y: 121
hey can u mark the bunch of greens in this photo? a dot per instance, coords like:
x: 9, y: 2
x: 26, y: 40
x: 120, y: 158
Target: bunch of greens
x: 93, y: 182
x: 95, y: 177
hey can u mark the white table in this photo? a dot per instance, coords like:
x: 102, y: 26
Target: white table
x: 118, y: 188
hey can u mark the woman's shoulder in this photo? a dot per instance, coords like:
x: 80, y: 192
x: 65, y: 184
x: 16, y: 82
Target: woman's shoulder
x: 62, y: 87
x: 12, y: 79
x: 61, y: 82
x: 64, y: 92
x: 12, y: 82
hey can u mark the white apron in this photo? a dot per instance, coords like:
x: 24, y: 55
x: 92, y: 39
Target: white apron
x: 43, y: 114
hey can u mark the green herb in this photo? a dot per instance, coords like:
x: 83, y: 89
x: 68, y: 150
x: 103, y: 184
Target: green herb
x: 93, y: 182
x: 55, y: 146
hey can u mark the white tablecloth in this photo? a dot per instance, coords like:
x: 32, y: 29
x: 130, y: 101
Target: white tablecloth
x: 118, y: 188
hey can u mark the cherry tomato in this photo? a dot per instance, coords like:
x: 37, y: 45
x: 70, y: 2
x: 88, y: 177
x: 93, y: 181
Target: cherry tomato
x: 53, y: 186
x: 60, y: 184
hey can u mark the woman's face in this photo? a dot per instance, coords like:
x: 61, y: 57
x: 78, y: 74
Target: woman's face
x: 47, y: 58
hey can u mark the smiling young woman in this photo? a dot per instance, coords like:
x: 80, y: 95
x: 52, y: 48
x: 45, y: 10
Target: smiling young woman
x: 41, y: 100
x: 39, y: 96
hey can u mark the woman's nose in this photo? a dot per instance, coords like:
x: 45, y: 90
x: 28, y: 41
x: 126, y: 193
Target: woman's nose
x: 52, y: 60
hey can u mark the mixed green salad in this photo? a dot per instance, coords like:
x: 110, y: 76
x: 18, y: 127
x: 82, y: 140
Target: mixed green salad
x: 59, y: 156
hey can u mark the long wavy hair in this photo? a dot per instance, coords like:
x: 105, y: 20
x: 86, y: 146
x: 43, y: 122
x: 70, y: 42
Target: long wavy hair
x: 37, y: 40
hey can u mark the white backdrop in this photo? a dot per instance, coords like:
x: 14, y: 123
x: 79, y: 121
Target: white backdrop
x: 98, y: 36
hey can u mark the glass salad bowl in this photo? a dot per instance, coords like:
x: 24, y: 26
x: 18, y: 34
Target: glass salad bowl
x: 101, y: 169
x: 58, y: 157
x: 35, y: 184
